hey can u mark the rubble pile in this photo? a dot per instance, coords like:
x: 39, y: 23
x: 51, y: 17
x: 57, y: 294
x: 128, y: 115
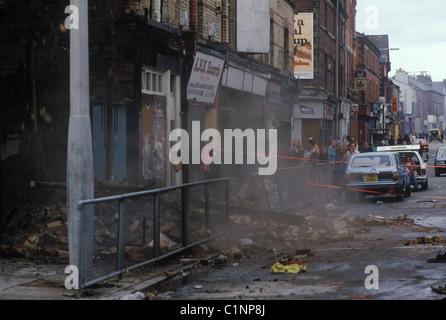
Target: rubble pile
x: 38, y: 232
x: 380, y: 220
x: 426, y: 240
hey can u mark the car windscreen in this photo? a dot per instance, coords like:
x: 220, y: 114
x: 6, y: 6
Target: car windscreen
x: 370, y: 161
x: 441, y: 153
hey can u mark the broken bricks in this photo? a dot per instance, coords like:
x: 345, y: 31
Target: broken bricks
x: 41, y: 233
x: 425, y: 240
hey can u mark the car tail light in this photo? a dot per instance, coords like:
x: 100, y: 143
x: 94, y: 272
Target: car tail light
x: 395, y: 176
x: 423, y: 172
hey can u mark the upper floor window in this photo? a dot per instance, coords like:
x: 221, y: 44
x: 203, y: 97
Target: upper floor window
x: 152, y: 82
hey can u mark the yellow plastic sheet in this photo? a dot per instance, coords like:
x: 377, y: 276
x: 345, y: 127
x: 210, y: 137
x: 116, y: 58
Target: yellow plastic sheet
x: 292, y: 268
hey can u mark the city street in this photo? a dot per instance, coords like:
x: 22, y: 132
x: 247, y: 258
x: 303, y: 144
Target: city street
x: 336, y: 243
x: 209, y: 150
x: 336, y: 269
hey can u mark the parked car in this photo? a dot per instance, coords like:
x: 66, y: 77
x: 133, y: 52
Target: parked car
x: 377, y: 173
x: 440, y: 161
x: 420, y: 165
x: 423, y: 143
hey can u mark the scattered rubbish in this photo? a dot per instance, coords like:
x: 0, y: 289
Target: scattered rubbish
x: 43, y: 232
x: 164, y: 242
x: 330, y: 206
x: 291, y: 268
x: 235, y: 253
x: 246, y: 245
x: 198, y: 287
x: 219, y: 261
x: 293, y: 260
x: 396, y: 220
x: 425, y: 240
x: 134, y: 296
x: 379, y: 219
x: 246, y: 242
x: 273, y: 234
x: 379, y: 202
x: 426, y: 201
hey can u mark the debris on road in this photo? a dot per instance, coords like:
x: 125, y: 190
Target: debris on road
x: 425, y: 240
x: 134, y: 296
x: 380, y: 220
x: 291, y: 268
x: 426, y: 201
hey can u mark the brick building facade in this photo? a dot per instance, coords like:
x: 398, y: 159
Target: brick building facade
x: 324, y: 104
x: 138, y: 78
x: 367, y: 82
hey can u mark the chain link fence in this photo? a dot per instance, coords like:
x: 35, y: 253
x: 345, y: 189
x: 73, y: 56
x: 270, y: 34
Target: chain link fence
x: 121, y: 233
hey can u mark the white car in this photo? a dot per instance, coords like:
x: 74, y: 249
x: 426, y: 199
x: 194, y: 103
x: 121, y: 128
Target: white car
x: 420, y: 165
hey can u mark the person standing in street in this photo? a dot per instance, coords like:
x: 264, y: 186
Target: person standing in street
x: 408, y: 162
x: 310, y: 154
x: 332, y: 151
x: 323, y: 156
x: 296, y: 153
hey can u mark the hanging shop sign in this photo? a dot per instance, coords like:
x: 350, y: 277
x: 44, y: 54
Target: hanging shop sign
x: 360, y: 84
x: 205, y: 78
x: 360, y: 80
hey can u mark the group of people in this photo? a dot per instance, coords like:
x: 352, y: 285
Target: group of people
x: 335, y: 151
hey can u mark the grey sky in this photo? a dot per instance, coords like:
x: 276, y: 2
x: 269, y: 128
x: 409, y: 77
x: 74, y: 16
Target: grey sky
x: 417, y: 28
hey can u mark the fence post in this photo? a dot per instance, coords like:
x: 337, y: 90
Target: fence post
x: 121, y: 237
x: 80, y: 207
x: 184, y: 211
x: 206, y: 206
x: 156, y: 226
x: 226, y: 203
x: 86, y: 242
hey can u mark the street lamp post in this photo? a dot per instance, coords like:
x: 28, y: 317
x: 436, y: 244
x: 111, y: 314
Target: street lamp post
x: 80, y: 184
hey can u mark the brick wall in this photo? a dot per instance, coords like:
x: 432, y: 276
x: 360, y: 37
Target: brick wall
x: 367, y: 58
x: 36, y: 30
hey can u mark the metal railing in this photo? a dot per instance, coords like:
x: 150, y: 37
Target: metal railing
x: 129, y: 231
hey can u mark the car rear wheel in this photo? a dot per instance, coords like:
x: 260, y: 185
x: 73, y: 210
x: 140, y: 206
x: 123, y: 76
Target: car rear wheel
x: 425, y: 185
